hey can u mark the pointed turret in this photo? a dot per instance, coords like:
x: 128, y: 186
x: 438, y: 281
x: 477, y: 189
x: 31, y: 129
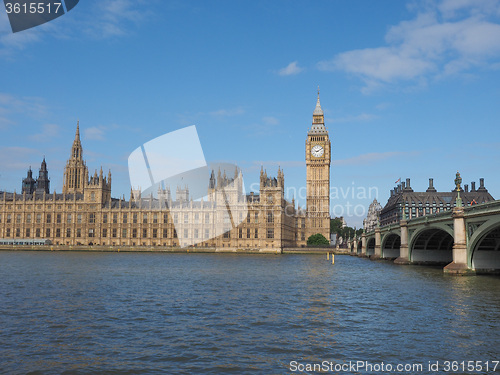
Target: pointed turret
x: 77, y: 144
x: 43, y: 182
x: 281, y: 178
x: 219, y: 179
x: 75, y: 172
x: 29, y: 183
x: 212, y: 183
x: 43, y: 167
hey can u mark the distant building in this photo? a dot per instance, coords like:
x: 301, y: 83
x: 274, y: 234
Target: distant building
x: 372, y: 217
x: 431, y: 201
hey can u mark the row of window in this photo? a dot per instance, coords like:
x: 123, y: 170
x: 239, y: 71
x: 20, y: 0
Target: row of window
x: 434, y: 204
x: 113, y: 218
x: 48, y: 218
x: 114, y: 233
x: 49, y: 207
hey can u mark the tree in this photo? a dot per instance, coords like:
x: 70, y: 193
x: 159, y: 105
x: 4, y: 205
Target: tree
x: 317, y: 240
x: 336, y: 226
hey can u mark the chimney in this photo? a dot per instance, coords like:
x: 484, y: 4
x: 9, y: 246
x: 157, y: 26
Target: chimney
x: 431, y: 188
x: 481, y: 185
x: 403, y: 185
x: 466, y: 188
x: 392, y: 192
x: 473, y: 186
x: 408, y: 187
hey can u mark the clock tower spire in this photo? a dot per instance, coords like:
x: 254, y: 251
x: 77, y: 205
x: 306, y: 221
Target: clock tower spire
x: 318, y: 159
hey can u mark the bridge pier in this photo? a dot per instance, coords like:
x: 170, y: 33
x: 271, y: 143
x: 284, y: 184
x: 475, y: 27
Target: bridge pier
x: 459, y: 266
x: 378, y: 247
x: 404, y: 257
x: 363, y: 245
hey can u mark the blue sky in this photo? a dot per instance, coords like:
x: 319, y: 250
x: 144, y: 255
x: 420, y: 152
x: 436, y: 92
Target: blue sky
x: 409, y: 89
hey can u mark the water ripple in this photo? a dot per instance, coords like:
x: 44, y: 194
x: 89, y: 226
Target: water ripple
x: 75, y: 313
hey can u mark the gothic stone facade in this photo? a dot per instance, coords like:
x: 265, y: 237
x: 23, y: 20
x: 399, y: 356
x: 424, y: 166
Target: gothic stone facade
x: 85, y: 213
x: 373, y: 216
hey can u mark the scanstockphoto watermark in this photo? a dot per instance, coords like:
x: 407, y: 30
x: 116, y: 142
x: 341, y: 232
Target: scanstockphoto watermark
x: 355, y: 367
x: 461, y: 366
x: 344, y: 200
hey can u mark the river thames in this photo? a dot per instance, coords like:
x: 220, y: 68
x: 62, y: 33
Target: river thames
x: 153, y: 313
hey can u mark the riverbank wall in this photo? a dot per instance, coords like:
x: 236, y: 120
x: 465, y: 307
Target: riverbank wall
x: 160, y: 249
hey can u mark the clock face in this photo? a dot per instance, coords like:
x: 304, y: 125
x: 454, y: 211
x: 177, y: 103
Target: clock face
x: 317, y: 151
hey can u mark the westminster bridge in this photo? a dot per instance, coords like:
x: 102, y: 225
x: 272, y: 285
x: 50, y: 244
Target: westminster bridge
x: 464, y: 240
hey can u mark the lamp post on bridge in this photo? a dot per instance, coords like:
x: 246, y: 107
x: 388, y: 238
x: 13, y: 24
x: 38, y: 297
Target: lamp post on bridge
x: 458, y: 182
x: 459, y: 265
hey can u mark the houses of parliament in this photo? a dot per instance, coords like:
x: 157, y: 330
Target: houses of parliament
x: 85, y: 213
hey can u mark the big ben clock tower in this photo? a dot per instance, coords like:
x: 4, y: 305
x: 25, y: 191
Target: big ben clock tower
x: 318, y: 157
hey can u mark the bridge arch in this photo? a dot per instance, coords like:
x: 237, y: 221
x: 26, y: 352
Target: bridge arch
x: 391, y: 244
x: 484, y: 247
x: 431, y: 245
x: 360, y: 247
x: 370, y: 246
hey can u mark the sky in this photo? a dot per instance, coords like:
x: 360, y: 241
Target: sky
x: 410, y: 89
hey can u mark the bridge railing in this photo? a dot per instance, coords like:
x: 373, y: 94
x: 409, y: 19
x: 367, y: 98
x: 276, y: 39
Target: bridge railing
x: 482, y: 206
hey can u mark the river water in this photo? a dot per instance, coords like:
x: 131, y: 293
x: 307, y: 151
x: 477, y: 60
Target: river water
x: 153, y: 313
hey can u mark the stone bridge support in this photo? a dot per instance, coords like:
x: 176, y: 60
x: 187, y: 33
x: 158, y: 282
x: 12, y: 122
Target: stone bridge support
x: 459, y: 265
x: 363, y: 244
x: 403, y: 249
x: 378, y: 246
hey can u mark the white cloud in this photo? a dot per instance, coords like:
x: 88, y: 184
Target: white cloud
x: 102, y: 19
x: 291, y: 69
x: 11, y: 105
x: 270, y: 120
x: 358, y: 118
x: 288, y: 164
x: 94, y: 133
x: 372, y: 157
x: 115, y: 18
x: 11, y: 42
x: 452, y: 8
x: 446, y: 39
x: 48, y: 132
x: 228, y: 112
x: 16, y: 158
